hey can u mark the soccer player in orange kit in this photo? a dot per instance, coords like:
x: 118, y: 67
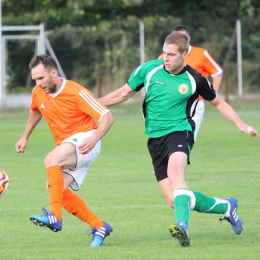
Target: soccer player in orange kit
x: 70, y: 111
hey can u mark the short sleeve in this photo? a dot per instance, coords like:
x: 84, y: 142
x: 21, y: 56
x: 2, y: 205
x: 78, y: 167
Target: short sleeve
x: 33, y: 105
x: 206, y: 90
x: 88, y: 104
x: 210, y: 65
x: 137, y: 78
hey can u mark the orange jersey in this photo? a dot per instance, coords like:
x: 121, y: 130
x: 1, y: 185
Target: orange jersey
x: 71, y: 110
x: 200, y: 60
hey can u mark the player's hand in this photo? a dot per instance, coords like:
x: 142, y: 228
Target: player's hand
x: 20, y: 146
x: 249, y: 130
x: 87, y: 145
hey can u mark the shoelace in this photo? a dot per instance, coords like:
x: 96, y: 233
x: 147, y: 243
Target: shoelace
x: 222, y: 218
x: 45, y: 212
x: 90, y: 232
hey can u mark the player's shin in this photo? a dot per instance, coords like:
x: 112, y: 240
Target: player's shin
x: 56, y: 186
x: 76, y: 206
x: 182, y: 205
x: 205, y: 204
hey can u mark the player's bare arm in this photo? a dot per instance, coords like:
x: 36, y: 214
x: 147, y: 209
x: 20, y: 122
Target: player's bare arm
x: 216, y: 81
x: 118, y: 96
x: 33, y: 120
x: 89, y: 143
x: 227, y: 111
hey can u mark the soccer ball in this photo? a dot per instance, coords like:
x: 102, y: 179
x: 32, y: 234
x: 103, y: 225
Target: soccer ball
x: 4, y: 182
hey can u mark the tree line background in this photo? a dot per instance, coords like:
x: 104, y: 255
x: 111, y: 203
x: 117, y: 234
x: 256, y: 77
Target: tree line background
x: 93, y: 38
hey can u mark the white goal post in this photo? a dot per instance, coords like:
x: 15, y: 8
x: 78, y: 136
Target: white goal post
x: 41, y: 41
x: 42, y: 44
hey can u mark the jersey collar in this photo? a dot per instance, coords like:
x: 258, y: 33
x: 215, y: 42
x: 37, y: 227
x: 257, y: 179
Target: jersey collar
x: 59, y: 91
x: 189, y: 49
x: 182, y: 71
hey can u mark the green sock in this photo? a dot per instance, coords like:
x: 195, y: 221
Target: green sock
x: 182, y: 205
x: 209, y: 204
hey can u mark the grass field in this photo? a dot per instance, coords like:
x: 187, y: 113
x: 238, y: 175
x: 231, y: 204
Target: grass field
x: 121, y: 189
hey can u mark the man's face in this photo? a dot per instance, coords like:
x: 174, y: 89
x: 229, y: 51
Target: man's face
x: 173, y: 59
x: 44, y: 78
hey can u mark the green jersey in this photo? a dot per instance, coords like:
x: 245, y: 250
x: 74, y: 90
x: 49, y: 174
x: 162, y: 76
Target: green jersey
x: 170, y: 100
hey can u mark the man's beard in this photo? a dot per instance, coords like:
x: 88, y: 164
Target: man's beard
x: 52, y: 87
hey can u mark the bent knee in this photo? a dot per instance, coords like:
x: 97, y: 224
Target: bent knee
x: 50, y: 160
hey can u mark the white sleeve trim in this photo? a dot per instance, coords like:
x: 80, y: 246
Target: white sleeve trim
x: 214, y: 64
x: 216, y: 74
x: 103, y: 115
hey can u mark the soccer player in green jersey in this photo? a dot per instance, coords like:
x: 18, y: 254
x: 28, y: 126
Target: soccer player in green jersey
x: 172, y: 93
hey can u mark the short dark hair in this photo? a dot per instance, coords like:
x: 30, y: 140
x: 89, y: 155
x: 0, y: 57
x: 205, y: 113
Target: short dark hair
x: 180, y: 39
x: 47, y: 61
x: 179, y: 28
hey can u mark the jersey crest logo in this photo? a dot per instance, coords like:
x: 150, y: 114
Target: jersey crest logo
x: 183, y: 88
x: 42, y: 105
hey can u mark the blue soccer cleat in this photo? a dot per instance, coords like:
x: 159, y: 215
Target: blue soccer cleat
x: 180, y: 232
x: 47, y: 220
x: 100, y: 234
x: 234, y: 220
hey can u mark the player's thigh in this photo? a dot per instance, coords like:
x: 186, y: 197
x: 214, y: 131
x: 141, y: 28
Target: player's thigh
x: 177, y: 162
x: 68, y: 180
x: 179, y: 150
x: 63, y: 155
x: 176, y: 169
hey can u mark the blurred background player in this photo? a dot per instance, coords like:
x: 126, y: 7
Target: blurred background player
x: 200, y: 60
x: 70, y: 111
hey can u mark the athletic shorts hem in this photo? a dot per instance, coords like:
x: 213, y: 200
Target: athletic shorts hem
x: 163, y: 147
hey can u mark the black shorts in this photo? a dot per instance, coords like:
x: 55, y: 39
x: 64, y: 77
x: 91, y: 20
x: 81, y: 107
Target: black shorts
x: 161, y: 149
